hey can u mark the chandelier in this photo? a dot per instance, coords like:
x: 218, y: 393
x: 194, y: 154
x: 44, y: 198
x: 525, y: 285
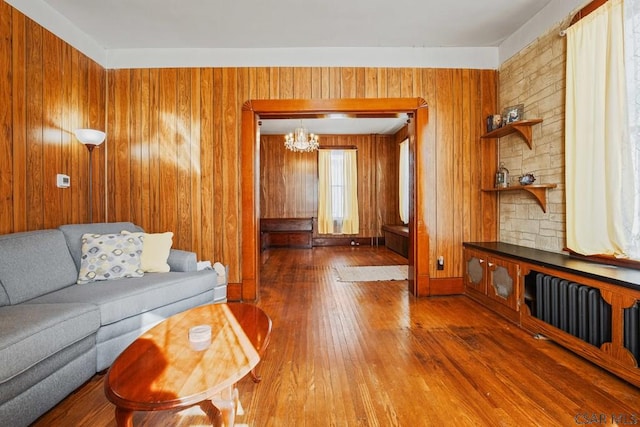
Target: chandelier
x: 301, y: 140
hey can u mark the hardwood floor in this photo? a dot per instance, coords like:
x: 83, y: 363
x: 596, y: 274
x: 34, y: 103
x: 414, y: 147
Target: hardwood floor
x: 369, y: 354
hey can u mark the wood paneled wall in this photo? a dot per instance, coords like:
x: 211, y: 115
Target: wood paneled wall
x: 289, y: 181
x: 174, y: 153
x: 48, y: 90
x: 171, y: 160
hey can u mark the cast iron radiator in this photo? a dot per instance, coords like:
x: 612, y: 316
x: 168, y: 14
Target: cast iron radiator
x: 632, y: 330
x: 576, y: 309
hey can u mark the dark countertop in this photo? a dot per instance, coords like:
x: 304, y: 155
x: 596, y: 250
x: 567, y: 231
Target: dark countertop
x: 627, y: 277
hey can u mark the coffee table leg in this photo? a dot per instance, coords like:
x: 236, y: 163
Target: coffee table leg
x: 255, y: 377
x: 226, y: 402
x: 211, y: 411
x: 124, y: 417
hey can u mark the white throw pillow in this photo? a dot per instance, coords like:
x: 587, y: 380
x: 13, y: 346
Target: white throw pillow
x: 109, y: 257
x: 155, y: 250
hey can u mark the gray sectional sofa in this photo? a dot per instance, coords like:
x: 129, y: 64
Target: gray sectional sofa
x: 55, y: 334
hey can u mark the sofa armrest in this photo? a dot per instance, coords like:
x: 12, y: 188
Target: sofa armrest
x: 182, y: 260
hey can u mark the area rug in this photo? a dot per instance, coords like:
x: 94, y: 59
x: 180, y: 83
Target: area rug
x: 372, y: 273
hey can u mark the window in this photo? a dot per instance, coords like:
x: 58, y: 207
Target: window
x: 632, y: 61
x: 337, y: 186
x: 338, y: 192
x: 601, y: 133
x: 403, y: 184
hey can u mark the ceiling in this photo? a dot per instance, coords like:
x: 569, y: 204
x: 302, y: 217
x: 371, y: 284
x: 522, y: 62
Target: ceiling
x: 336, y: 125
x: 135, y: 24
x: 298, y: 33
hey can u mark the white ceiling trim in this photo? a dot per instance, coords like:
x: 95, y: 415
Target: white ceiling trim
x: 466, y: 57
x: 52, y: 20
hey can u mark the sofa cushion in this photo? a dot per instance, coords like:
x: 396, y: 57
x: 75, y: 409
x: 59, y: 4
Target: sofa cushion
x: 30, y: 333
x: 124, y: 298
x: 73, y: 234
x: 184, y: 261
x: 4, y: 297
x: 34, y: 263
x: 155, y: 251
x: 109, y: 257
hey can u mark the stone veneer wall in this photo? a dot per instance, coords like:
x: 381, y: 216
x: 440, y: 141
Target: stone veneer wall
x: 535, y: 77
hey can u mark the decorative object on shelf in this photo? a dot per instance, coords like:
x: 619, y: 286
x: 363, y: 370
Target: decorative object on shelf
x: 502, y: 176
x: 513, y: 113
x: 300, y: 140
x: 91, y: 138
x: 526, y: 179
x: 494, y: 121
x: 497, y: 122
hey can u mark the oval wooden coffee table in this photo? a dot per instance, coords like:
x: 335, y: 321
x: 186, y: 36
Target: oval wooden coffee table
x: 162, y: 370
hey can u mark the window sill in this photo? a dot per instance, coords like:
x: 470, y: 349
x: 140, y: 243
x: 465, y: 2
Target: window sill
x: 606, y: 259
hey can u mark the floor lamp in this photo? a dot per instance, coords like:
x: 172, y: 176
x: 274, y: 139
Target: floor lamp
x: 91, y: 138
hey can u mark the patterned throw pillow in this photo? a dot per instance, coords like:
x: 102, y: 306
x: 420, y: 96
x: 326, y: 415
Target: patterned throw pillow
x: 109, y: 256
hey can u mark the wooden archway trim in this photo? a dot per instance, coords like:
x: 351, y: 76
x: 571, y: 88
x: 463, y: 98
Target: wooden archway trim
x: 355, y: 105
x: 250, y: 163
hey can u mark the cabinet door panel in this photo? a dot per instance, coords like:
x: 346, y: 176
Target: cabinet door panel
x: 502, y: 282
x: 475, y: 271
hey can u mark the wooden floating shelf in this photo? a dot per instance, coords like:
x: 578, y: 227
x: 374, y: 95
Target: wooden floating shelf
x: 539, y: 191
x: 522, y: 128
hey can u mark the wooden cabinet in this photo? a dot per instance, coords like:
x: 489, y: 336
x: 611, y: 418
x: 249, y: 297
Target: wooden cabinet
x: 290, y: 239
x: 396, y: 238
x: 493, y: 281
x: 591, y: 309
x: 475, y: 271
x: 503, y: 282
x: 286, y: 232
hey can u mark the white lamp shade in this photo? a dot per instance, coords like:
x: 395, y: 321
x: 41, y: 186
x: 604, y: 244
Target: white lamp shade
x: 90, y: 136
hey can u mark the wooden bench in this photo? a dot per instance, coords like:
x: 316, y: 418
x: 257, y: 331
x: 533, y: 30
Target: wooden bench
x: 396, y: 238
x: 286, y: 232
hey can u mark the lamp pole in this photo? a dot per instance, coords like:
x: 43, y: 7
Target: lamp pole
x: 90, y: 147
x: 90, y: 138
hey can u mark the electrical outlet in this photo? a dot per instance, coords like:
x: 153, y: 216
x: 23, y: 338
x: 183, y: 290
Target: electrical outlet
x: 440, y: 263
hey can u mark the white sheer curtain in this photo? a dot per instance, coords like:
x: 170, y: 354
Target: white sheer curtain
x: 403, y: 181
x: 597, y: 179
x: 325, y: 217
x: 632, y: 63
x: 338, y: 192
x: 351, y: 220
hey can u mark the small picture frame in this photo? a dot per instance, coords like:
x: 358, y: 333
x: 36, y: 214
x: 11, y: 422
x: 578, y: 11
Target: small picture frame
x: 496, y: 121
x: 513, y: 113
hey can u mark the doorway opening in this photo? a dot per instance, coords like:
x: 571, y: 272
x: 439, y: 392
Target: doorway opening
x: 256, y: 110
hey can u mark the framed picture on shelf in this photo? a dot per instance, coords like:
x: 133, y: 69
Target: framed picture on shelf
x: 496, y: 121
x: 513, y: 113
